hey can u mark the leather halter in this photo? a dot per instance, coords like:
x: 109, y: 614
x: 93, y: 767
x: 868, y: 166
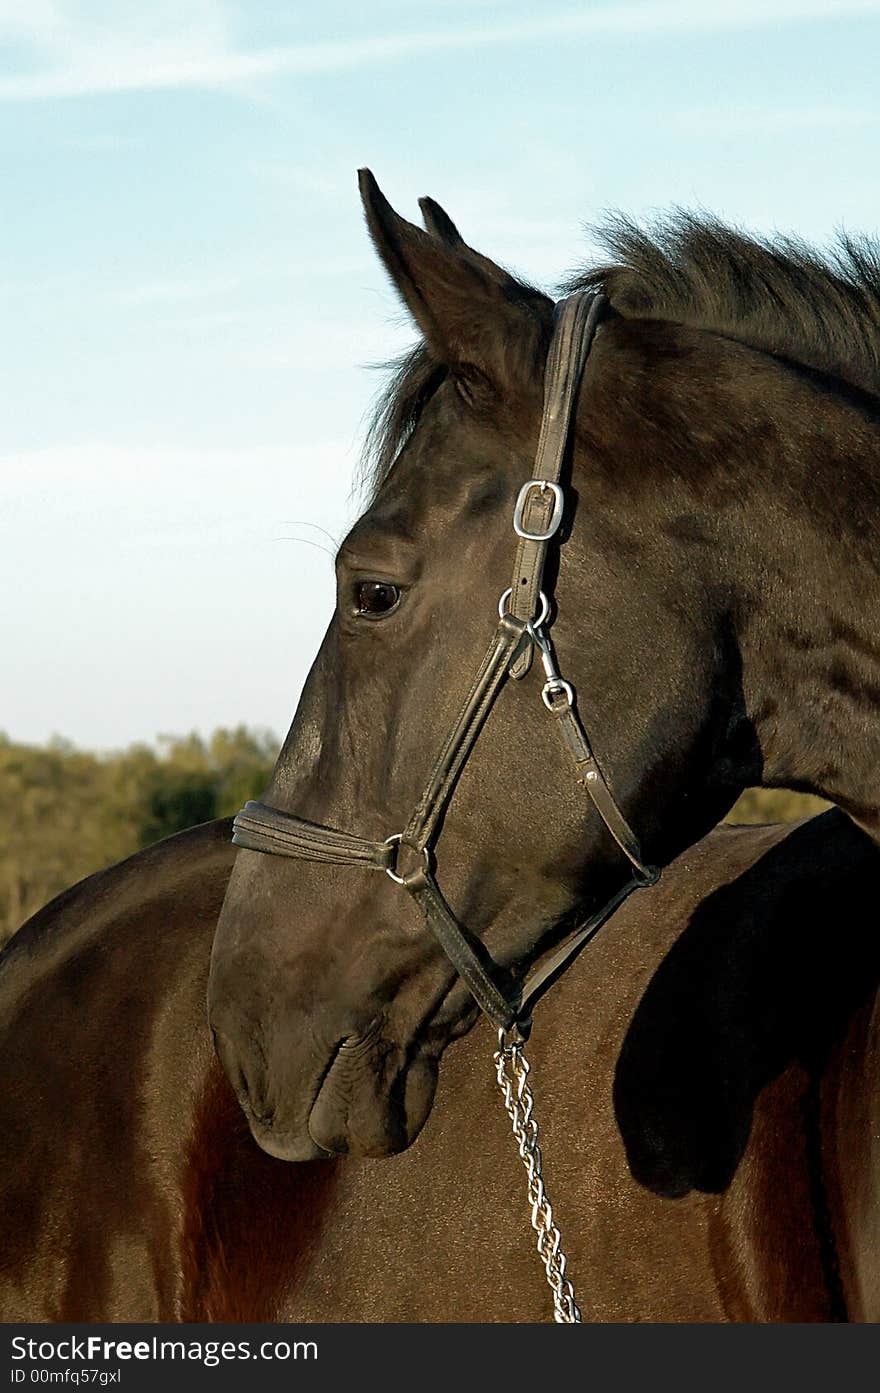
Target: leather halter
x: 520, y: 632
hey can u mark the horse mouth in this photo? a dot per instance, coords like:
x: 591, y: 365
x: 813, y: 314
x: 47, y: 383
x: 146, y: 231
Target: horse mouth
x: 285, y: 1146
x: 373, y: 1098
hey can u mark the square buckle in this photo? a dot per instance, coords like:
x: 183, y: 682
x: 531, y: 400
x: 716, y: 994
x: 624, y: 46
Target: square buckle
x: 555, y: 518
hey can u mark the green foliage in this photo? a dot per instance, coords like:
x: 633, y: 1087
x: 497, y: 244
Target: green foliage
x: 66, y: 812
x: 774, y: 805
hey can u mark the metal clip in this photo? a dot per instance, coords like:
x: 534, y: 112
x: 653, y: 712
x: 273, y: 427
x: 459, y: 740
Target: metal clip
x: 555, y: 684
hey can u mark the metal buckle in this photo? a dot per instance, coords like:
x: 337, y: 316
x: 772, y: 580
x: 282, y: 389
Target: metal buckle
x: 394, y: 840
x: 533, y: 623
x: 555, y: 517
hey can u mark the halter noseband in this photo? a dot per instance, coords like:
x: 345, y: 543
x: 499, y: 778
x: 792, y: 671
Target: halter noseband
x: 523, y: 612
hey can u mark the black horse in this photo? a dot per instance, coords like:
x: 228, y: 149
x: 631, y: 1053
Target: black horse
x: 720, y: 1042
x: 717, y: 612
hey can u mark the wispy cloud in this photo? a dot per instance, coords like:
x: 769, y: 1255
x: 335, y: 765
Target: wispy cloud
x: 161, y: 45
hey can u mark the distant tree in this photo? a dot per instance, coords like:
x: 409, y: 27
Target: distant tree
x: 58, y: 821
x: 65, y: 812
x: 179, y: 800
x: 758, y: 805
x: 244, y: 760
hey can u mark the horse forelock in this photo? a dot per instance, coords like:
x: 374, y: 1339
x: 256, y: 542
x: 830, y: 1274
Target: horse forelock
x: 414, y: 378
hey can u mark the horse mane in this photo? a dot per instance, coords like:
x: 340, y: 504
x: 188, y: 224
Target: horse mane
x: 777, y: 294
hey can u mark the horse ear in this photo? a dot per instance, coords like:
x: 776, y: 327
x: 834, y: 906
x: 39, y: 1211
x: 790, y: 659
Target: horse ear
x: 473, y: 314
x: 440, y: 225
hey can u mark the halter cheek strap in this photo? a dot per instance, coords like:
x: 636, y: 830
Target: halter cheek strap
x: 519, y: 635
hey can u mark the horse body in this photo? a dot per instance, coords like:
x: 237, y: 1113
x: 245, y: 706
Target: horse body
x: 685, y: 1046
x: 444, y: 1224
x: 104, y: 1054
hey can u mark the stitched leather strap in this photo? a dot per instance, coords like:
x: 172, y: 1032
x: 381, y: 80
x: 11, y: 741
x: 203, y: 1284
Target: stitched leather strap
x: 550, y: 970
x: 492, y: 987
x: 480, y: 974
x: 508, y: 639
x: 260, y: 827
x: 577, y: 318
x: 593, y: 780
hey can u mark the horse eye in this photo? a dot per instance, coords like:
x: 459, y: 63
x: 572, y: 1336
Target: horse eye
x: 375, y: 597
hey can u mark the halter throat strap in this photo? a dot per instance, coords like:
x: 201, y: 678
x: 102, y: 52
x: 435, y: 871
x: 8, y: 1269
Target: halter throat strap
x: 519, y: 635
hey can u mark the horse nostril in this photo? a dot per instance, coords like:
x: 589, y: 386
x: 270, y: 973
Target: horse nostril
x: 360, y: 1041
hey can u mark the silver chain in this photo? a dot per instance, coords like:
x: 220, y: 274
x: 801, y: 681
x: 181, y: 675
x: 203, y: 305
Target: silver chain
x: 512, y: 1072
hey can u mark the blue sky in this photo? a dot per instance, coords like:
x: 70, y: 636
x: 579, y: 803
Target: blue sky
x: 189, y: 300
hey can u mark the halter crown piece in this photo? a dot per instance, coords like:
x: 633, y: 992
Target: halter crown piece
x: 520, y: 633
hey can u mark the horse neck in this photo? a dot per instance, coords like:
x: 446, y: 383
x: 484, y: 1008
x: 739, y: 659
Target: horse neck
x: 810, y: 624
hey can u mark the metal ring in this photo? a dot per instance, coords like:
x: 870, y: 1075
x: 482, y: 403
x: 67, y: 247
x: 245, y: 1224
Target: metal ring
x: 394, y: 840
x: 519, y: 1032
x: 534, y: 623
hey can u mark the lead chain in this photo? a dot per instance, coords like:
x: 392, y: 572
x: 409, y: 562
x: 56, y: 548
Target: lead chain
x: 512, y: 1072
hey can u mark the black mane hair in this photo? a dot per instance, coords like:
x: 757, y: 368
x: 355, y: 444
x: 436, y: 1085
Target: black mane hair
x: 776, y: 294
x: 414, y: 378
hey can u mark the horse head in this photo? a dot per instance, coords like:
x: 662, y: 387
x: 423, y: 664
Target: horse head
x: 330, y: 1002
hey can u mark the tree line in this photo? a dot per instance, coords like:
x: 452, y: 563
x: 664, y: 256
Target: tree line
x: 66, y: 812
